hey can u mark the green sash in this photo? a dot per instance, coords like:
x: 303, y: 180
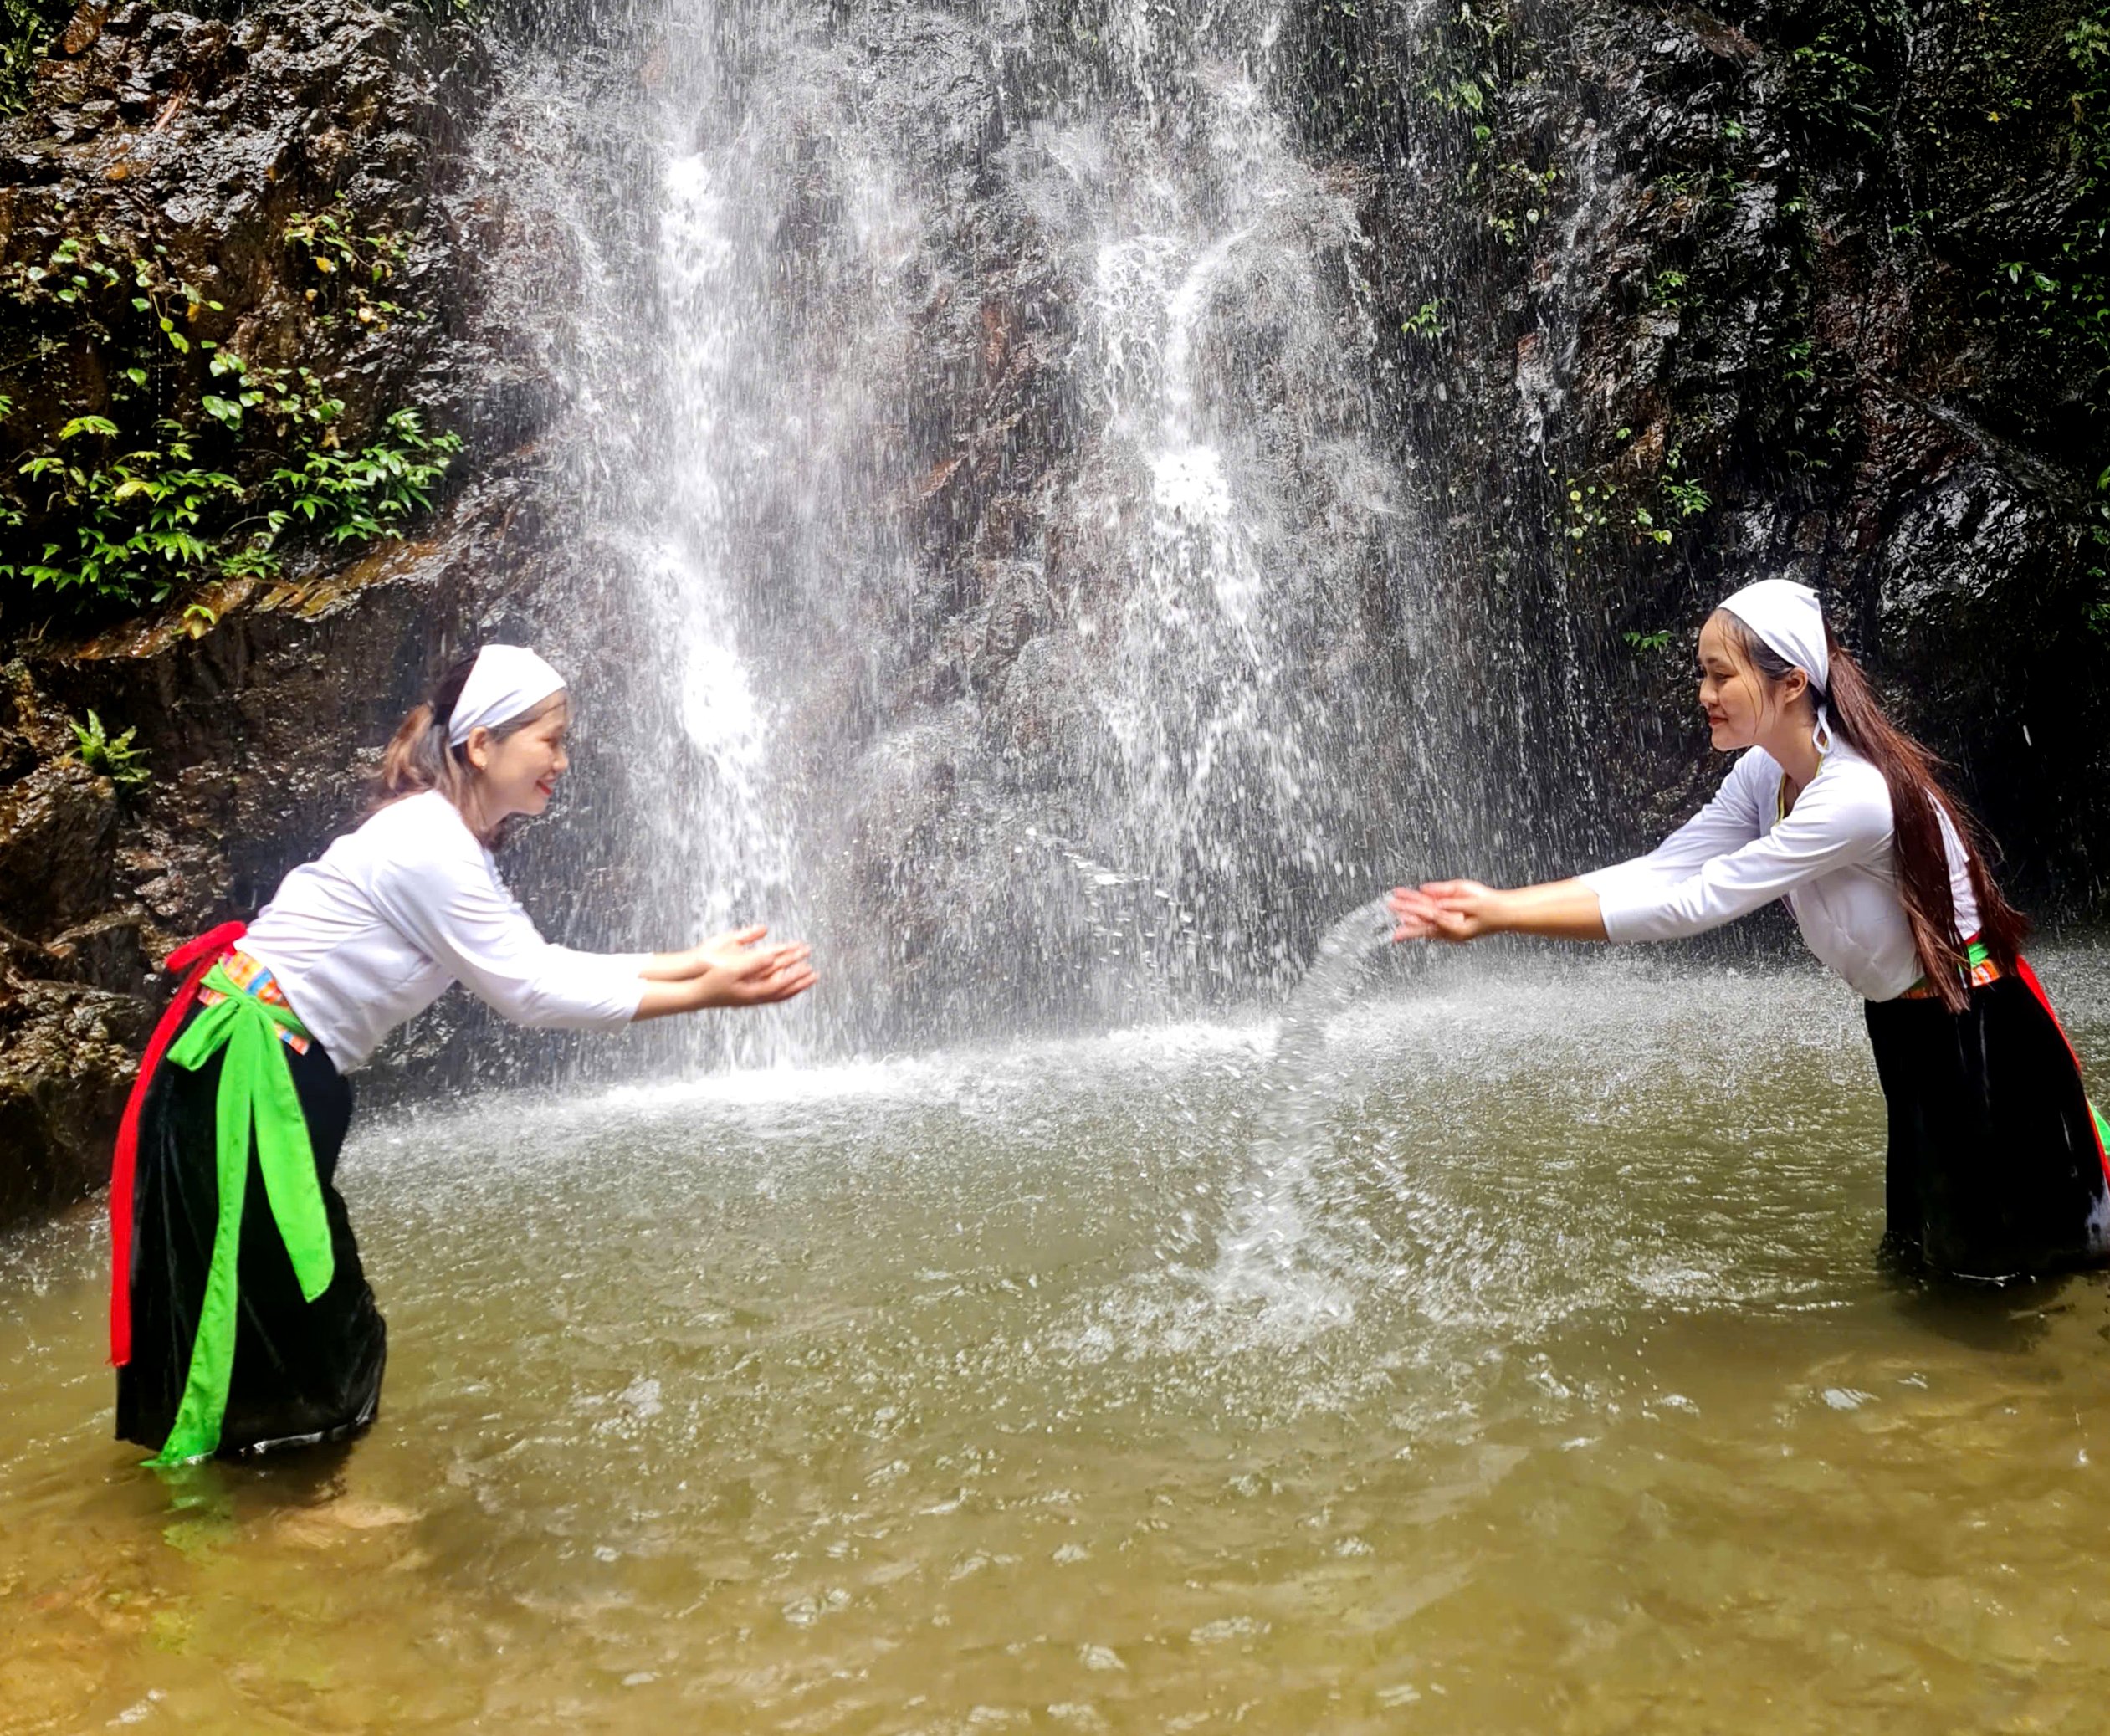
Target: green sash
x: 256, y: 1095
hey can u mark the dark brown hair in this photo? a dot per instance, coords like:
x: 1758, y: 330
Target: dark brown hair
x: 1918, y: 797
x: 419, y: 757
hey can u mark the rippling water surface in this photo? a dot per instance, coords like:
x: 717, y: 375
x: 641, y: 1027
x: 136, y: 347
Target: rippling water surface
x: 1544, y: 1381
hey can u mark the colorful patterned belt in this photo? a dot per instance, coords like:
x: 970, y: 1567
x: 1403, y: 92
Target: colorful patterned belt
x: 256, y: 979
x: 1982, y: 971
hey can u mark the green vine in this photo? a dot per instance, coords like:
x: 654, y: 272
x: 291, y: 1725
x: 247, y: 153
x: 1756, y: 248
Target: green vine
x: 195, y: 461
x: 2064, y: 293
x: 27, y: 27
x: 352, y: 269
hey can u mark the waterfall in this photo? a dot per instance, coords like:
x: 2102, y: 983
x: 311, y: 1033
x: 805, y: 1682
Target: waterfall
x: 976, y: 439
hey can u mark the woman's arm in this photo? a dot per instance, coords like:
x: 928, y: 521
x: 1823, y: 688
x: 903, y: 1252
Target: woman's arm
x: 450, y: 904
x: 1465, y: 910
x: 1835, y: 823
x: 694, y: 960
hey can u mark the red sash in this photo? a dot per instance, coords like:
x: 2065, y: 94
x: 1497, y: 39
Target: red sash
x: 198, y: 957
x: 2022, y: 970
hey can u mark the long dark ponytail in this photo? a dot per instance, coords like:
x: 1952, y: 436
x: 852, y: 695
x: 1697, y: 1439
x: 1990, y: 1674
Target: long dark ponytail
x: 1919, y: 798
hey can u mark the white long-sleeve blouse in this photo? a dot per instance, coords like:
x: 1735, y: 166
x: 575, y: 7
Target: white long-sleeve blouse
x: 1831, y: 858
x: 374, y: 930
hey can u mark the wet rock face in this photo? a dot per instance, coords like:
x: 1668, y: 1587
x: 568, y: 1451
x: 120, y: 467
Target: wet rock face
x: 258, y: 726
x: 1750, y: 279
x: 202, y: 137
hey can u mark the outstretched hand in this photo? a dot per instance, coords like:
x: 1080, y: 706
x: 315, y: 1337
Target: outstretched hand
x: 733, y: 969
x: 1454, y: 911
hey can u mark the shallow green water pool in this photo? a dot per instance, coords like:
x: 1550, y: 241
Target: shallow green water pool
x: 1563, y: 1393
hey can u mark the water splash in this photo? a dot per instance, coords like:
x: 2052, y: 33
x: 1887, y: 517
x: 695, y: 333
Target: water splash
x: 1281, y: 1250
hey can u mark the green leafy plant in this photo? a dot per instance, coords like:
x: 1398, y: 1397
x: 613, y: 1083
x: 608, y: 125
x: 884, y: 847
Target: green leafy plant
x: 368, y: 493
x: 2066, y: 294
x: 1838, y: 78
x: 1425, y: 321
x: 351, y: 267
x: 1465, y: 71
x: 111, y: 756
x: 112, y: 510
x: 1522, y: 197
x: 27, y: 27
x: 1640, y: 642
x: 289, y: 395
x: 136, y: 517
x: 1589, y: 506
x: 1686, y: 495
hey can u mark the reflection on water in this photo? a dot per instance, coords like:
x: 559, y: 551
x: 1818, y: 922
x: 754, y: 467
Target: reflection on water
x: 914, y: 1397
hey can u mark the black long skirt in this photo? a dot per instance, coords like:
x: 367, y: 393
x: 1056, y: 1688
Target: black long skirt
x: 304, y: 1371
x: 1994, y: 1169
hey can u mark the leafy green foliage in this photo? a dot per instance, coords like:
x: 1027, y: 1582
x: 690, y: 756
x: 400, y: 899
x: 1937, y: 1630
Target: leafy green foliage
x: 1520, y: 196
x: 111, y: 756
x: 195, y: 461
x: 27, y: 27
x: 368, y: 494
x: 352, y: 269
x: 136, y: 516
x: 146, y: 522
x: 1843, y: 69
x: 1684, y: 496
x: 2065, y: 294
x: 1425, y: 321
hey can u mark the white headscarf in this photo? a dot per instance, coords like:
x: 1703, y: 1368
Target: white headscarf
x: 504, y: 681
x: 1790, y: 620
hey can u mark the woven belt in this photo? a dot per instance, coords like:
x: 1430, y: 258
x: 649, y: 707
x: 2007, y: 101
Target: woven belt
x: 254, y: 978
x: 1982, y: 971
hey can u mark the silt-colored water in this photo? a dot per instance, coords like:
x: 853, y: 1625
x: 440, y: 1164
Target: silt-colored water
x: 936, y: 1396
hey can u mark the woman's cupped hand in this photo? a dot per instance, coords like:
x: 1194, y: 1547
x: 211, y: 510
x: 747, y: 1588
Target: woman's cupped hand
x: 735, y: 969
x: 1443, y: 910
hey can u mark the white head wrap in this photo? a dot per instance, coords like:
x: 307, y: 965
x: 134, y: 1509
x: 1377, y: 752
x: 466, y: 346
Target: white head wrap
x: 504, y: 681
x: 1789, y: 618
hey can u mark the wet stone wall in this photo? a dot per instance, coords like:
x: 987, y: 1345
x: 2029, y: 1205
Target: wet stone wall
x: 1055, y: 500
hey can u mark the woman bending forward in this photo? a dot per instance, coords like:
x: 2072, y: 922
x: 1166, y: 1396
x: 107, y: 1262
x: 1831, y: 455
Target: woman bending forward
x: 240, y: 1320
x: 1996, y: 1161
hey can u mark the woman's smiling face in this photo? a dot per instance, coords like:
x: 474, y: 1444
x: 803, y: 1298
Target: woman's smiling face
x: 519, y: 773
x: 1730, y: 691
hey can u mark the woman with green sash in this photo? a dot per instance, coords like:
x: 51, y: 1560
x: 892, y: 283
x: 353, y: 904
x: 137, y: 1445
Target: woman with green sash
x: 240, y: 1319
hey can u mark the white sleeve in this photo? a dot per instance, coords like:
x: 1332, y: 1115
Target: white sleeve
x: 1835, y: 823
x: 452, y: 907
x: 1732, y: 818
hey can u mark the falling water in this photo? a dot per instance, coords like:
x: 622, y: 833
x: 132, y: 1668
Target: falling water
x: 972, y: 451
